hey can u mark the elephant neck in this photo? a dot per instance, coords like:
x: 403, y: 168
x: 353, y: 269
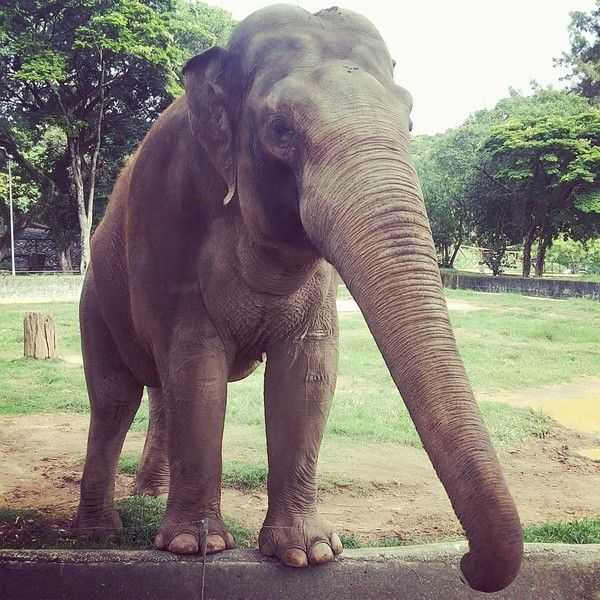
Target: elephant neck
x: 274, y: 268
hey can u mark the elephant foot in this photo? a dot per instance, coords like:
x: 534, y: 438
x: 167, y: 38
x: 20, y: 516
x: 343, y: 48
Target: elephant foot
x: 182, y: 537
x: 299, y: 541
x: 96, y: 525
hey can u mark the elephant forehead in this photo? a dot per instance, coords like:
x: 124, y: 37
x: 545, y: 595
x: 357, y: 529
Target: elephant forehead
x: 284, y: 39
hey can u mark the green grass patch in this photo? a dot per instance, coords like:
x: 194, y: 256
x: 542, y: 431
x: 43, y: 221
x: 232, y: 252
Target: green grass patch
x: 511, y: 342
x: 244, y: 476
x: 583, y: 531
x: 29, y: 528
x: 142, y: 515
x: 343, y: 293
x: 30, y: 385
x: 128, y: 464
x: 10, y: 516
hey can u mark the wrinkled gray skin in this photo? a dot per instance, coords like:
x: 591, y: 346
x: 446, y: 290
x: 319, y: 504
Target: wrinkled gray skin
x: 289, y: 149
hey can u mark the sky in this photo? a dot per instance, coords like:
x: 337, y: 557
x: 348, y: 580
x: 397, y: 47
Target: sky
x: 458, y: 56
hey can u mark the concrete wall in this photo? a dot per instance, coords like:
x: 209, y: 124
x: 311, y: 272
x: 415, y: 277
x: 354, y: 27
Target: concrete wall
x: 40, y: 288
x: 428, y: 572
x: 25, y: 288
x: 547, y: 288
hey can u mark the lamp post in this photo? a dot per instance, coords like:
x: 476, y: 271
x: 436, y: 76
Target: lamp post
x: 10, y: 206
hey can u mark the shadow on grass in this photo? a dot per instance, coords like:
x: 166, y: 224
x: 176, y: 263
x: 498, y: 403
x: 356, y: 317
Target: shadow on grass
x: 141, y: 517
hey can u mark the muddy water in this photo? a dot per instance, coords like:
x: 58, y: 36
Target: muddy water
x: 582, y: 414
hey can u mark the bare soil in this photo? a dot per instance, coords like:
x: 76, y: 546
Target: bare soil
x: 391, y: 490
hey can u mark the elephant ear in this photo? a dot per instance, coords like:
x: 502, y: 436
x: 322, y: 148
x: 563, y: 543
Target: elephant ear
x: 206, y: 99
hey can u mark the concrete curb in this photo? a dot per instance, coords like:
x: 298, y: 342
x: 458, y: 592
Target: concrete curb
x: 428, y: 572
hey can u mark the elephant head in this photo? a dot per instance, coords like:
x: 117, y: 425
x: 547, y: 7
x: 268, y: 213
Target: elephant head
x: 309, y: 134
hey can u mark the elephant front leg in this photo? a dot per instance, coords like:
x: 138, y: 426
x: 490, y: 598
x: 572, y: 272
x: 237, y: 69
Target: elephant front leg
x: 299, y: 385
x: 195, y: 390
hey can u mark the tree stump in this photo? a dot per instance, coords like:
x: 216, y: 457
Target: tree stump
x: 39, y: 335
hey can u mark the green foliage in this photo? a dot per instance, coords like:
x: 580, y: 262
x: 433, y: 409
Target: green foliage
x: 575, y: 256
x: 554, y: 148
x: 527, y: 169
x: 442, y: 163
x: 583, y: 60
x: 243, y: 475
x: 71, y: 66
x: 583, y: 531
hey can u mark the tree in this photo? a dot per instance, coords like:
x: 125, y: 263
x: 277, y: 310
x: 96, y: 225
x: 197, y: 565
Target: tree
x: 444, y: 163
x: 583, y: 60
x: 576, y: 257
x: 88, y: 67
x: 549, y: 163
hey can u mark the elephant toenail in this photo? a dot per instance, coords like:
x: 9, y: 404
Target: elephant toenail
x: 215, y: 543
x: 294, y: 557
x: 184, y: 543
x: 320, y: 553
x: 336, y: 544
x: 229, y: 541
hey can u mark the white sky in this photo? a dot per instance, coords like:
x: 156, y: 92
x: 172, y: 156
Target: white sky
x: 457, y: 56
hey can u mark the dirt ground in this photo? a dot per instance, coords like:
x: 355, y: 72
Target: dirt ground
x: 392, y: 490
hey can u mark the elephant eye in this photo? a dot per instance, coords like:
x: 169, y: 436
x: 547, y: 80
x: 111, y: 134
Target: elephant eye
x: 281, y: 129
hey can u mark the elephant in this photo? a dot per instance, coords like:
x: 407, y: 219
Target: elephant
x: 285, y: 162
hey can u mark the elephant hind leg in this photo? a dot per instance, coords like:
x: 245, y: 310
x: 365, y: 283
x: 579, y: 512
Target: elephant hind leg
x: 152, y: 478
x: 114, y: 399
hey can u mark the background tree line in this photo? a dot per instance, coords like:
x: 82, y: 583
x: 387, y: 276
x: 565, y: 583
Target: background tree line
x: 80, y: 83
x: 82, y: 80
x: 526, y: 172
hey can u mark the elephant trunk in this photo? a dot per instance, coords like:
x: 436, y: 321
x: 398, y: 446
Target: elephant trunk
x: 362, y: 207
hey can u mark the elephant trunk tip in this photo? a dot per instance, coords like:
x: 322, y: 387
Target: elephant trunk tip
x: 486, y: 572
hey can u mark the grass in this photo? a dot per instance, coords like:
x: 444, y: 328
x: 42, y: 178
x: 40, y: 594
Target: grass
x: 30, y: 385
x: 128, y: 464
x: 511, y: 342
x: 248, y: 476
x: 583, y: 531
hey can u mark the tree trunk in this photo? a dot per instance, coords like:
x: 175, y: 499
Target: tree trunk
x: 540, y: 259
x: 63, y: 258
x: 85, y: 205
x: 82, y: 213
x: 454, y: 255
x: 39, y: 335
x: 527, y: 243
x: 545, y: 241
x: 446, y: 256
